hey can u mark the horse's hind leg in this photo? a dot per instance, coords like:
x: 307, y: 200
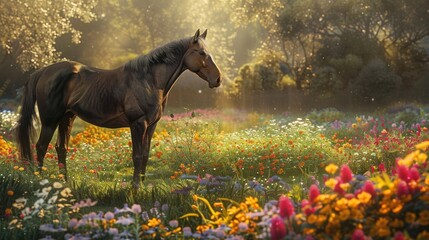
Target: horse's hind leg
x: 64, y: 129
x: 45, y: 137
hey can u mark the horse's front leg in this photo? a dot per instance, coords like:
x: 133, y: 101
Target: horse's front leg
x: 138, y: 131
x: 146, y: 148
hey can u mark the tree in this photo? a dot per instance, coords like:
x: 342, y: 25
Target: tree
x: 30, y: 28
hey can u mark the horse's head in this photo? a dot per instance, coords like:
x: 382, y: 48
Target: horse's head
x: 199, y: 60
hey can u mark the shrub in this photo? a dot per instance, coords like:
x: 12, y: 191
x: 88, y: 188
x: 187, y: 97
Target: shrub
x: 326, y: 82
x: 375, y: 83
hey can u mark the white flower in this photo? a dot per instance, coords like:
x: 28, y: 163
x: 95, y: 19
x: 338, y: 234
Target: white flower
x: 44, y: 193
x: 38, y: 203
x: 57, y: 185
x: 44, y: 181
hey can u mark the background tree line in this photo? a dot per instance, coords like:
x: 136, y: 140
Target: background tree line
x: 371, y: 50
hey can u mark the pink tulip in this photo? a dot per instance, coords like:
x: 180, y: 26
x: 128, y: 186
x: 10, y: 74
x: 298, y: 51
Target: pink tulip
x: 278, y: 228
x: 286, y: 207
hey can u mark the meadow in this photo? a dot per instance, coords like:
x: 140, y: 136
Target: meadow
x: 229, y: 174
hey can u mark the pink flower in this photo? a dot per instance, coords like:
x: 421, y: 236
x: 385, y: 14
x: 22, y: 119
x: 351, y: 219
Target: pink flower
x: 278, y: 228
x: 403, y: 173
x: 358, y: 234
x: 402, y: 189
x: 286, y: 207
x: 313, y: 193
x: 346, y: 174
x: 368, y: 187
x: 414, y: 174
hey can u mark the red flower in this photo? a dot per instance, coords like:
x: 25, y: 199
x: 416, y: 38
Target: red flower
x: 286, y: 207
x: 402, y: 189
x: 278, y: 229
x: 313, y: 193
x: 399, y: 236
x: 358, y: 234
x: 338, y: 189
x: 403, y: 173
x: 346, y: 174
x: 381, y: 167
x: 368, y: 187
x: 414, y: 174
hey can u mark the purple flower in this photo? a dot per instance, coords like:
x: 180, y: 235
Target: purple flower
x: 109, y: 216
x: 72, y: 223
x: 125, y: 221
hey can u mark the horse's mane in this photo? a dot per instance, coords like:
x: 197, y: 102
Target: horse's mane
x: 168, y: 54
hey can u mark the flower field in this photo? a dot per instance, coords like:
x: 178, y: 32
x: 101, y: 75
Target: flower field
x: 229, y: 174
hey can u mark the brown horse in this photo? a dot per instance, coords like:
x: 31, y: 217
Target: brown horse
x: 133, y: 95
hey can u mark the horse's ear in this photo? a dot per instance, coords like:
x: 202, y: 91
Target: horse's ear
x: 196, y: 36
x: 203, y: 36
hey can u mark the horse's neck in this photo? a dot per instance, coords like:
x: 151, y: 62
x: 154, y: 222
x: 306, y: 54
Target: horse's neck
x: 167, y: 76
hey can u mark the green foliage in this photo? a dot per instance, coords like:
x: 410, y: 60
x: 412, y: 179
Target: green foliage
x: 376, y: 82
x: 264, y: 74
x: 325, y: 83
x: 325, y: 115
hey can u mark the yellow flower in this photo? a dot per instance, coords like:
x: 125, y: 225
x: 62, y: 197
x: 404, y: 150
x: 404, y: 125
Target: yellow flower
x: 344, y: 215
x: 202, y: 228
x: 358, y: 119
x: 330, y: 183
x: 341, y: 204
x: 21, y: 169
x: 396, y: 223
x: 36, y: 173
x: 423, y: 235
x: 353, y: 202
x: 218, y: 204
x: 423, y: 146
x: 44, y: 169
x: 383, y: 232
x: 312, y: 219
x: 421, y: 158
x: 424, y: 217
x: 15, y: 167
x: 364, y: 197
x: 410, y: 217
x: 331, y: 168
x: 154, y: 222
x: 321, y: 219
x: 354, y: 125
x: 195, y: 198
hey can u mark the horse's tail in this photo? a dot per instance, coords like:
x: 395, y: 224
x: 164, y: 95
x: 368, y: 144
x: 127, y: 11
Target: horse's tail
x: 25, y: 127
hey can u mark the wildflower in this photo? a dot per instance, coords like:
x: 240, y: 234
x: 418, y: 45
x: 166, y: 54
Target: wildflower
x: 346, y: 174
x: 403, y: 173
x: 173, y: 223
x: 8, y: 212
x: 414, y: 174
x: 331, y: 183
x: 125, y: 221
x: 368, y: 187
x: 423, y: 146
x: 66, y: 192
x: 410, y: 217
x: 402, y: 189
x: 364, y: 197
x: 44, y: 181
x: 10, y: 193
x: 278, y: 229
x: 113, y: 232
x: 424, y: 218
x: 331, y: 168
x: 136, y: 208
x: 358, y: 234
x: 286, y: 207
x: 109, y: 216
x: 313, y: 193
x: 154, y: 222
x: 399, y: 236
x: 187, y: 232
x: 57, y: 185
x: 243, y: 227
x: 72, y: 223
